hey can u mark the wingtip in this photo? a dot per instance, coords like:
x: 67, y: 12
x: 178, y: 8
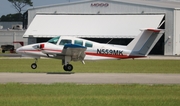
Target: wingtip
x: 154, y: 30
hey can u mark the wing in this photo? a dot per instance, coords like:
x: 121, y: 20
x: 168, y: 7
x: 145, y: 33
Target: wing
x: 76, y: 52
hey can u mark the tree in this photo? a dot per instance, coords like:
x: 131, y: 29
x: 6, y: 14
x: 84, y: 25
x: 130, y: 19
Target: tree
x: 19, y: 4
x: 11, y: 17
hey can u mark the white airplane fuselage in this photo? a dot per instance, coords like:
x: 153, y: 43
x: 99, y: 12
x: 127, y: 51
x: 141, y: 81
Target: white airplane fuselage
x: 98, y: 51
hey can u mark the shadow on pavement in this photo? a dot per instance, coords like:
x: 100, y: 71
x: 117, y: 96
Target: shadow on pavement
x: 60, y: 72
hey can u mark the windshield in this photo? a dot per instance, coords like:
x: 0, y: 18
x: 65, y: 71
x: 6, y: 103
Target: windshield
x: 54, y: 40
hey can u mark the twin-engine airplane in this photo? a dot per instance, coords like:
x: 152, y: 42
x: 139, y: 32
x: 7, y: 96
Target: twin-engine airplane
x: 76, y: 49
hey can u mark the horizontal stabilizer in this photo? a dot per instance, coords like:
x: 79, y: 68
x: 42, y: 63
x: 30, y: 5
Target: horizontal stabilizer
x: 151, y: 29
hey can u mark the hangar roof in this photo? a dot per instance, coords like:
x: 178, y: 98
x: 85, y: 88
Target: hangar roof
x: 152, y: 3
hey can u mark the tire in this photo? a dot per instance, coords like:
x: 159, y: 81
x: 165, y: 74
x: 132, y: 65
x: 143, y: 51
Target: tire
x: 64, y: 67
x: 68, y: 67
x: 3, y: 51
x: 34, y: 66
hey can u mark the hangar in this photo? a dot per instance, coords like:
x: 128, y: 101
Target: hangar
x: 129, y: 14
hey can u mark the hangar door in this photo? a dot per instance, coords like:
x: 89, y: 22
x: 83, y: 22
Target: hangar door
x: 116, y: 29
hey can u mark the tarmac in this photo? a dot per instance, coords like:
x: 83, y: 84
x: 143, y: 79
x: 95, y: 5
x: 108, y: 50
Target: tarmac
x: 89, y: 78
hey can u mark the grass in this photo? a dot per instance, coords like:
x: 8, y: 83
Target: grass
x: 65, y: 94
x: 89, y: 95
x: 105, y: 66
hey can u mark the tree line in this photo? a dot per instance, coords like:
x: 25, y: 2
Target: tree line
x: 18, y: 5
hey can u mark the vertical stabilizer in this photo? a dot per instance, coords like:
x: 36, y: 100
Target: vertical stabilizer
x: 143, y: 43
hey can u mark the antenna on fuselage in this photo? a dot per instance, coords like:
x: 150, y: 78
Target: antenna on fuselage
x: 109, y: 41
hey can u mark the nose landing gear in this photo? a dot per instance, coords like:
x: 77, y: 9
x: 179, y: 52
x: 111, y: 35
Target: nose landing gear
x: 34, y: 65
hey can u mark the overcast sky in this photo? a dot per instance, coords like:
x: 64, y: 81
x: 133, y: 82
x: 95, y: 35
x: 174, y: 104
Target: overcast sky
x: 7, y: 8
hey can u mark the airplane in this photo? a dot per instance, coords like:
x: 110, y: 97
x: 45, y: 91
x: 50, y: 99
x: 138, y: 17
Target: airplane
x: 68, y: 48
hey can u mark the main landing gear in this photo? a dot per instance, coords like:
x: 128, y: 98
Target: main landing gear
x: 66, y: 65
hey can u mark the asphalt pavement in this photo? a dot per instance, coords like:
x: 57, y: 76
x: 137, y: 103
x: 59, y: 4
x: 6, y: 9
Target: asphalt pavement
x: 89, y: 78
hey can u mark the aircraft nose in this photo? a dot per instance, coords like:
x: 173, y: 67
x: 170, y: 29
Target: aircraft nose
x: 19, y: 50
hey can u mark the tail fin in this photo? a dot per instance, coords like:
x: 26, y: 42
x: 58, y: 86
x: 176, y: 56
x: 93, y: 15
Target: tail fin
x: 144, y: 42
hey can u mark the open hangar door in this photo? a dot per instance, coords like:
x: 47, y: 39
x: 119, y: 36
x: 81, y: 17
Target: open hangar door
x: 103, y: 28
x: 159, y: 47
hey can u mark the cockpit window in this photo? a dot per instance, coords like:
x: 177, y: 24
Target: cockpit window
x: 79, y: 42
x: 65, y: 41
x: 88, y: 44
x: 54, y: 40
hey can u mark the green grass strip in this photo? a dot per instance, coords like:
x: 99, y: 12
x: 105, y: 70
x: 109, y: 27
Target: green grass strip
x: 104, y: 66
x: 89, y: 95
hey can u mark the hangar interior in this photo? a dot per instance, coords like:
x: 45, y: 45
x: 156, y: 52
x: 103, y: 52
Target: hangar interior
x: 169, y: 13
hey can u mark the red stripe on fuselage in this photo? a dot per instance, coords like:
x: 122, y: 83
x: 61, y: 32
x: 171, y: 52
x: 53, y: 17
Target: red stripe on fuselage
x: 30, y: 50
x: 53, y: 50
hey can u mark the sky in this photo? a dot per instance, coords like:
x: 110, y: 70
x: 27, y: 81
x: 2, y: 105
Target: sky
x: 7, y: 8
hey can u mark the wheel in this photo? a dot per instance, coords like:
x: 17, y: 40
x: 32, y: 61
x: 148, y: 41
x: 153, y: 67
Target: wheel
x: 33, y: 65
x: 3, y: 51
x: 68, y: 67
x: 64, y: 67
